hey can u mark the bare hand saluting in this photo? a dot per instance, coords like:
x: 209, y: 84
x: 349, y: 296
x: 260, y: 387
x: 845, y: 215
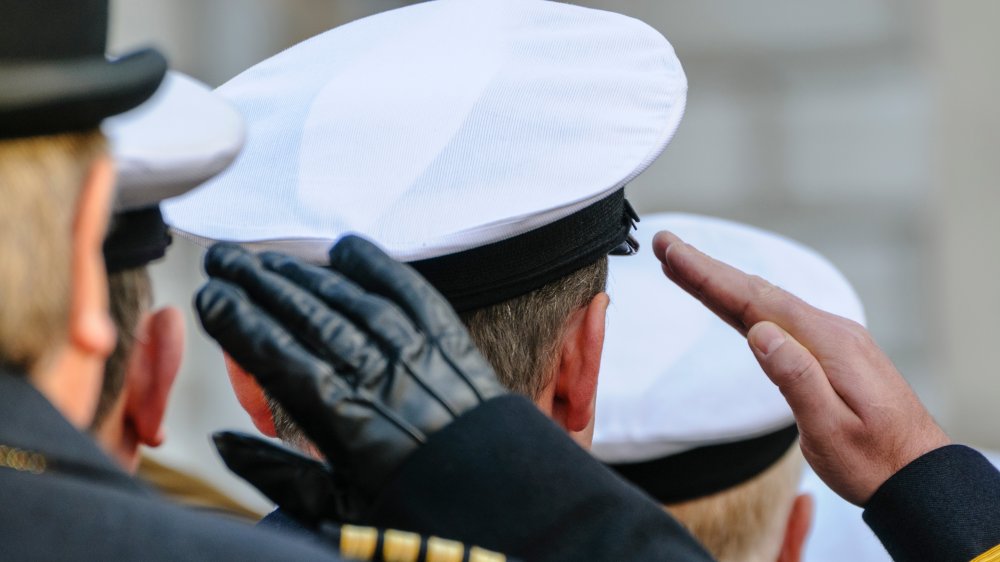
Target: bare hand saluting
x: 859, y: 420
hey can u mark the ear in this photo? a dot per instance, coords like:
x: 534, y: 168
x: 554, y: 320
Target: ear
x: 90, y: 328
x: 797, y: 529
x: 151, y: 372
x: 251, y: 396
x: 575, y: 391
x: 71, y: 380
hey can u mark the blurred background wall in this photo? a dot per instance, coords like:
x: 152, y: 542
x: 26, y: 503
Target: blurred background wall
x: 867, y: 129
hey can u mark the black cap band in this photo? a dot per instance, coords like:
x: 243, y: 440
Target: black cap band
x: 706, y: 470
x: 509, y: 268
x: 135, y: 239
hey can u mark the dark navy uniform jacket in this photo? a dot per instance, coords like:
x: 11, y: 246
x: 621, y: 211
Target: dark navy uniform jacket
x: 64, y: 499
x: 498, y: 460
x: 502, y: 476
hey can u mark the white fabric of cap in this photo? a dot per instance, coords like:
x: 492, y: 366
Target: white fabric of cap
x: 182, y: 136
x: 674, y: 376
x: 440, y: 127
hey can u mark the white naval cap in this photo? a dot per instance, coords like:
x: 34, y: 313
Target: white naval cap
x: 683, y: 408
x: 182, y: 136
x: 486, y: 142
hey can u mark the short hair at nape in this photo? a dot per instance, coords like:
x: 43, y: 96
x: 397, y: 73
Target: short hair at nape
x: 746, y: 523
x: 130, y: 294
x: 520, y: 337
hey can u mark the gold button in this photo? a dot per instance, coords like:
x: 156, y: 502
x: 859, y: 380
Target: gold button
x: 399, y: 546
x: 358, y: 542
x: 442, y: 550
x: 482, y: 555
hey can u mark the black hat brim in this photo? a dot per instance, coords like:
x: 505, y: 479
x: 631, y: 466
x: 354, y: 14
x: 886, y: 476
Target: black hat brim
x: 40, y: 98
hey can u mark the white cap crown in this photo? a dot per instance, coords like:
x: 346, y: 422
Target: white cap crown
x: 440, y: 127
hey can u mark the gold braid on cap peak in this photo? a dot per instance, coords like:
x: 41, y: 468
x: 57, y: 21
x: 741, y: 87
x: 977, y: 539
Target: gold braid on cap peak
x: 391, y: 545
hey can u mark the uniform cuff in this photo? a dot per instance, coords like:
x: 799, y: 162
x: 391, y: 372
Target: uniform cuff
x: 943, y: 506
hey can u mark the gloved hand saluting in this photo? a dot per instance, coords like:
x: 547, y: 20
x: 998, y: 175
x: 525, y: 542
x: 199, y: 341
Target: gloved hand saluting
x: 365, y: 356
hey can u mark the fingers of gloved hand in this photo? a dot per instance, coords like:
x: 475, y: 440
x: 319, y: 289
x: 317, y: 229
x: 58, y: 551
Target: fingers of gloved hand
x: 345, y: 428
x: 368, y: 266
x: 250, y: 336
x: 220, y: 258
x: 381, y: 319
x: 305, y: 385
x: 324, y: 331
x: 373, y: 270
x: 385, y: 322
x: 302, y: 486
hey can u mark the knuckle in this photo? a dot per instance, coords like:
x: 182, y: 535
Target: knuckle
x: 798, y: 370
x: 801, y: 370
x: 760, y: 288
x: 855, y: 335
x: 762, y: 295
x: 698, y: 281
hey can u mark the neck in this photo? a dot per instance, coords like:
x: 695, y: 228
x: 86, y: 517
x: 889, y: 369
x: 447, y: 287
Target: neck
x: 71, y: 381
x: 118, y: 438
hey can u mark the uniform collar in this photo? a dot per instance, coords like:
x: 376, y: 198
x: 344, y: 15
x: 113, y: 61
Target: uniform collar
x: 28, y: 421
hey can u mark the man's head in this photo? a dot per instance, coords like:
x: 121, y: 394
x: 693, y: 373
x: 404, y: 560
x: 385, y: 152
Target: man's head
x: 129, y: 298
x: 57, y: 194
x: 43, y: 179
x: 488, y: 146
x: 685, y: 411
x: 56, y: 183
x: 141, y: 370
x: 764, y: 519
x: 545, y: 345
x: 169, y: 145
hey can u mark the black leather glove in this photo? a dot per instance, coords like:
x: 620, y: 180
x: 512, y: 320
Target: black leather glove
x: 306, y: 489
x: 366, y: 356
x: 309, y: 491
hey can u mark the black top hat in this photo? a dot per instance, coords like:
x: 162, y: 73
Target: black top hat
x: 54, y: 76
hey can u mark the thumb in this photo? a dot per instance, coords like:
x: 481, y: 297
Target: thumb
x: 797, y: 373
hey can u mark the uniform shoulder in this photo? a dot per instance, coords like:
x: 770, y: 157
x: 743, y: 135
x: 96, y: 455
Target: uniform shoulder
x: 60, y: 517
